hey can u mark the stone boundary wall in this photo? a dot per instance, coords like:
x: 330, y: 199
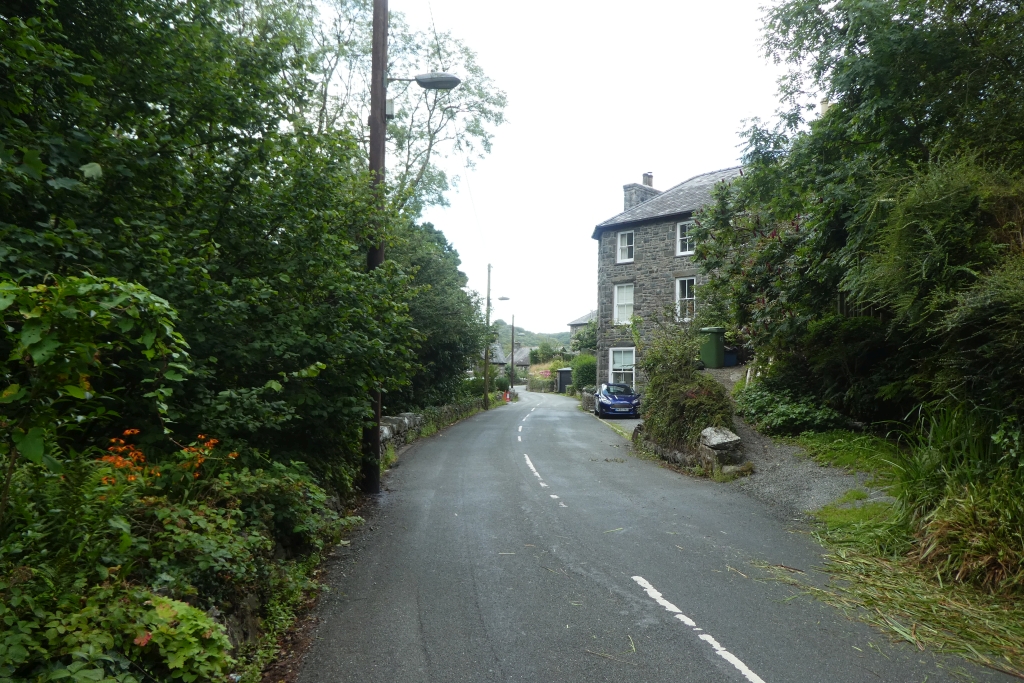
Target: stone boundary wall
x: 404, y: 428
x: 718, y: 448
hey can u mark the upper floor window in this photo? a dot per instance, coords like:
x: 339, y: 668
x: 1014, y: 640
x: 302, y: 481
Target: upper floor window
x: 686, y: 299
x: 623, y: 304
x: 624, y: 253
x: 684, y: 238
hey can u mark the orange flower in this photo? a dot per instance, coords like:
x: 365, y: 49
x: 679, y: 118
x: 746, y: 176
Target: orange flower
x: 130, y: 432
x: 232, y: 455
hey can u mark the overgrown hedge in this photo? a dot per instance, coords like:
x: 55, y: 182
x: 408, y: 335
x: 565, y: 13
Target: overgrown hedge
x: 679, y: 401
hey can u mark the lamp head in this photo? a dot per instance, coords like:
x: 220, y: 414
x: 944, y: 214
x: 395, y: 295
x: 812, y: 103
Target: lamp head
x: 437, y: 80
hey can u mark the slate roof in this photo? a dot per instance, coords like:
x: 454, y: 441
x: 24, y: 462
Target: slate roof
x: 497, y: 354
x: 685, y: 197
x: 585, y: 319
x: 522, y: 356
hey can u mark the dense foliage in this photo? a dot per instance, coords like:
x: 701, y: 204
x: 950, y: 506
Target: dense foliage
x: 444, y: 314
x: 679, y: 401
x: 874, y: 254
x: 182, y: 253
x: 584, y: 371
x: 873, y: 257
x: 586, y: 338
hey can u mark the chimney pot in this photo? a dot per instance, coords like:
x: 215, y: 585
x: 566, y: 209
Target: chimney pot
x: 649, y: 179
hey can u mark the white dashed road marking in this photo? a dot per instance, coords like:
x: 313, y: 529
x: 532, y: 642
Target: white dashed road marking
x: 520, y: 427
x: 719, y: 650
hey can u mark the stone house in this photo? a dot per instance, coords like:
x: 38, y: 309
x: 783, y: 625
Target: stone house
x: 579, y: 323
x: 645, y: 266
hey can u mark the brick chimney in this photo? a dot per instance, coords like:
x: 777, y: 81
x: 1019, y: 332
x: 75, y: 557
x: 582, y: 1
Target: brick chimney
x: 635, y: 194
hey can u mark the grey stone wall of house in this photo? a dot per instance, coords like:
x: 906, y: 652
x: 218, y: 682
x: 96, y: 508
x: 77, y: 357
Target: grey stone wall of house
x: 653, y: 274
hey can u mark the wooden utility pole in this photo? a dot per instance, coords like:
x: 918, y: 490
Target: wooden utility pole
x: 512, y: 377
x: 375, y: 254
x: 487, y: 348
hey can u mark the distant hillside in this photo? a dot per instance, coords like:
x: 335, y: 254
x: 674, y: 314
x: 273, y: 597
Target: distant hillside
x: 527, y: 338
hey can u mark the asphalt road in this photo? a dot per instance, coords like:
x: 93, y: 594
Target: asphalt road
x: 525, y: 544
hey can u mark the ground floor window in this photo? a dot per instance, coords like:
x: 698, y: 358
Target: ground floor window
x: 620, y: 365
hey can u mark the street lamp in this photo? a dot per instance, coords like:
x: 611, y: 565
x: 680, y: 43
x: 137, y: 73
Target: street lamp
x: 512, y: 372
x: 375, y: 254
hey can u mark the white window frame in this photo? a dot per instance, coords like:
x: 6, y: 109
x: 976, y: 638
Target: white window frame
x: 631, y: 248
x: 611, y: 366
x: 615, y: 303
x: 686, y: 316
x: 690, y: 242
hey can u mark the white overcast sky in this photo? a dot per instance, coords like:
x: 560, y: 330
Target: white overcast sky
x: 599, y: 92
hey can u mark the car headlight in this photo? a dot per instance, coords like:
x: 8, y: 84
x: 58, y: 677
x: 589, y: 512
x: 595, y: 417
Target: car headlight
x: 636, y: 401
x: 604, y: 399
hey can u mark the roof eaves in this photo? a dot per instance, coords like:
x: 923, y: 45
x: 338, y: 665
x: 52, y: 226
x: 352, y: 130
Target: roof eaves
x: 598, y: 229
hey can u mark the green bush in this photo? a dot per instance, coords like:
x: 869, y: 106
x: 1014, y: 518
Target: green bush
x: 679, y: 401
x: 540, y: 384
x: 501, y: 383
x: 779, y: 412
x: 584, y: 370
x: 121, y: 560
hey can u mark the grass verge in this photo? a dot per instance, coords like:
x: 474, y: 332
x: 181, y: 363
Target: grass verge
x: 907, y: 601
x: 850, y: 451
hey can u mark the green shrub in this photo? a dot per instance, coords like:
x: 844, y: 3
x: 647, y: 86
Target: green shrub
x: 501, y: 383
x: 584, y: 370
x: 679, y: 401
x: 779, y: 412
x: 114, y: 566
x: 474, y: 386
x: 541, y: 384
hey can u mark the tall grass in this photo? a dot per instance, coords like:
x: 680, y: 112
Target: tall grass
x: 960, y: 491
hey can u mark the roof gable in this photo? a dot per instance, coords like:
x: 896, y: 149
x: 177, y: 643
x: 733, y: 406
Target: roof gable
x: 686, y: 197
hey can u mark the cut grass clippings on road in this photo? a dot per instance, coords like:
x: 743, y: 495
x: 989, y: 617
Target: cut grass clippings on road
x: 901, y: 599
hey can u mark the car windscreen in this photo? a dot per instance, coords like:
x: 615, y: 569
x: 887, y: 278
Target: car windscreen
x: 617, y: 389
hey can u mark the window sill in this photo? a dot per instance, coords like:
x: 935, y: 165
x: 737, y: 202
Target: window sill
x: 621, y: 262
x: 685, y: 253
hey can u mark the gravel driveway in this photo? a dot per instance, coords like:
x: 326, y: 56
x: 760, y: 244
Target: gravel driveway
x: 791, y: 484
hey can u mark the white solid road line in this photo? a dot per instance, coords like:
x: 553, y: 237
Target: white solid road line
x: 721, y: 651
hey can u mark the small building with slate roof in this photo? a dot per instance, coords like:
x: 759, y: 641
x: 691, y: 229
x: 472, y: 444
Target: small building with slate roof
x: 645, y: 266
x: 581, y: 322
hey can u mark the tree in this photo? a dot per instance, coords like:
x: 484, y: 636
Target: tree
x: 860, y: 249
x: 586, y: 338
x: 429, y: 124
x: 446, y: 316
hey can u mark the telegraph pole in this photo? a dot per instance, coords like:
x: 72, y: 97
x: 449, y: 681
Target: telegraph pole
x: 487, y: 348
x: 512, y: 377
x: 375, y: 254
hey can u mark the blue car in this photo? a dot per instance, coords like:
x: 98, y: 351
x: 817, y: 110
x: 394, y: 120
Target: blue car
x: 616, y: 399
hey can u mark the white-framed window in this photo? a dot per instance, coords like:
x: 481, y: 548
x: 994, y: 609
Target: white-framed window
x: 684, y: 238
x: 623, y: 304
x: 686, y: 299
x: 620, y: 365
x: 624, y: 247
